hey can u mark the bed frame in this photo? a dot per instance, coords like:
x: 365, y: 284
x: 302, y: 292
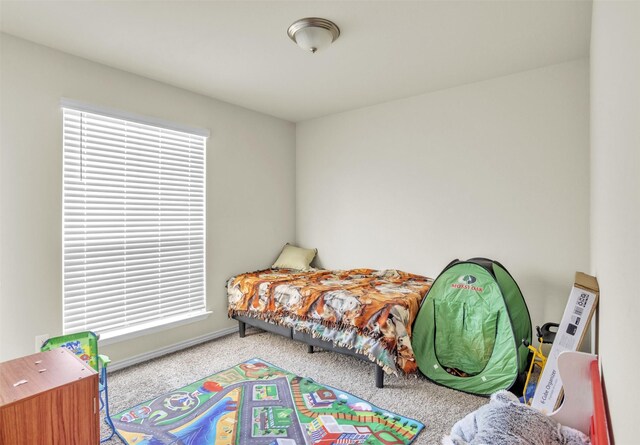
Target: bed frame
x: 307, y: 339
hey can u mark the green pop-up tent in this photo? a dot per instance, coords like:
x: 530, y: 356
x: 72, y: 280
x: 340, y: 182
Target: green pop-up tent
x: 469, y: 330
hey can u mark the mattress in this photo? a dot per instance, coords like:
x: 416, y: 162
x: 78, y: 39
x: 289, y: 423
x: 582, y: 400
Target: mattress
x: 370, y: 311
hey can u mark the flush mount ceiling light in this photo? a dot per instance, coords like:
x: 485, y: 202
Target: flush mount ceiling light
x: 313, y: 34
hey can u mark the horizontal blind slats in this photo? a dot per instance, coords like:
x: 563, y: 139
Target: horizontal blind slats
x: 140, y: 294
x: 117, y: 190
x: 83, y: 124
x: 84, y: 118
x: 76, y: 184
x: 90, y: 258
x: 73, y: 276
x: 76, y: 307
x: 133, y: 224
x: 100, y: 283
x: 81, y: 264
x: 125, y: 149
x: 88, y: 155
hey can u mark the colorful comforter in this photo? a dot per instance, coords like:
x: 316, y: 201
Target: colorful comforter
x: 363, y: 309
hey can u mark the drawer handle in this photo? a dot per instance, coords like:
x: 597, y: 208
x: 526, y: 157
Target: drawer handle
x: 42, y: 370
x: 20, y: 382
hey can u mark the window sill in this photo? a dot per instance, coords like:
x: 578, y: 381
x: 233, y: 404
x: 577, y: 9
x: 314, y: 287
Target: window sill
x: 149, y: 328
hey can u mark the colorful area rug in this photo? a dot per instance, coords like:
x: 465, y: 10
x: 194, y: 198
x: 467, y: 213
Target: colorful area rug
x: 256, y: 403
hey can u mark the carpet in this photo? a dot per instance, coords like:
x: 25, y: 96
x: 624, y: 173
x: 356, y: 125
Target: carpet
x: 257, y: 403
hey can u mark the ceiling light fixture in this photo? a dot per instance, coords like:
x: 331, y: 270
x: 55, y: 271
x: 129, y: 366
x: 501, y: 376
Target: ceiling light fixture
x: 313, y: 34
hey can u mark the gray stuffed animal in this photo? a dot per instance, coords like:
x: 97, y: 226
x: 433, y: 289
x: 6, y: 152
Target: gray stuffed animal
x: 505, y: 421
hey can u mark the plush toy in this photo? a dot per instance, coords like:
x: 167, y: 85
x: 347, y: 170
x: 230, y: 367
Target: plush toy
x: 505, y: 421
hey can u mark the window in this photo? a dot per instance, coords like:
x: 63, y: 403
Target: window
x: 133, y: 222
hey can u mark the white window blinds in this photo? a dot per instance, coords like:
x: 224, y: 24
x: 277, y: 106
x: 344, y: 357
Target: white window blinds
x: 134, y: 224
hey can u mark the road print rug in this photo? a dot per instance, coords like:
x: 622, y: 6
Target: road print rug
x: 256, y: 403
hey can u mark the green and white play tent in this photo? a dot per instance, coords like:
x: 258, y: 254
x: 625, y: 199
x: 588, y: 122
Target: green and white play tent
x: 469, y: 330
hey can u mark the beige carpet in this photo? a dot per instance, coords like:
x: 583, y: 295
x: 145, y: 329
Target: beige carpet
x: 437, y: 407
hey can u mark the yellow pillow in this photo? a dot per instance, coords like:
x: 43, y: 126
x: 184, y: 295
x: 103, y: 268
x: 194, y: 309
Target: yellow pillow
x: 293, y: 257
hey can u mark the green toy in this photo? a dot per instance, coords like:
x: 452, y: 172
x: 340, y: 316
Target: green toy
x: 469, y: 330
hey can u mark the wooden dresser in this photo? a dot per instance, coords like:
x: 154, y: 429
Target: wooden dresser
x: 58, y: 404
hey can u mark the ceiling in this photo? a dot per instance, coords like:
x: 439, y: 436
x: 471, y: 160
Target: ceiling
x: 239, y: 51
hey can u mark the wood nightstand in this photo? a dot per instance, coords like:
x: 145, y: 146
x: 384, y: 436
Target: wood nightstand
x: 58, y: 404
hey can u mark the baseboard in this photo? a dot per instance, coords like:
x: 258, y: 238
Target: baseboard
x: 121, y: 364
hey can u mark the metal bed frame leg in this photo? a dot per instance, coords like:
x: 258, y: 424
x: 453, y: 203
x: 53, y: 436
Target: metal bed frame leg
x: 310, y: 349
x: 379, y: 376
x: 241, y: 328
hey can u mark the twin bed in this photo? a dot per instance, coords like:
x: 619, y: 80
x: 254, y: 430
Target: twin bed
x: 360, y: 312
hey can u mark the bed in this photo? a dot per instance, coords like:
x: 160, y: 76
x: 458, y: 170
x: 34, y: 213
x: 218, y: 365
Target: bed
x: 361, y: 312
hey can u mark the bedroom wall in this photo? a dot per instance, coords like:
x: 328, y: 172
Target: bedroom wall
x: 497, y: 169
x: 615, y: 201
x: 250, y: 188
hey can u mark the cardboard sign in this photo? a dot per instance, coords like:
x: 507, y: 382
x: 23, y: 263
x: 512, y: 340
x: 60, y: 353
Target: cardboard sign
x: 575, y: 322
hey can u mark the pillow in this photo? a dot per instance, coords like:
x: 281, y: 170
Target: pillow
x: 293, y: 257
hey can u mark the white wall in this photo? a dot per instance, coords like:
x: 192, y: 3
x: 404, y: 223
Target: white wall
x: 250, y: 187
x: 497, y: 169
x: 615, y: 201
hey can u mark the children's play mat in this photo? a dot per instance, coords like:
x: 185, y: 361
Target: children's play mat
x: 256, y: 403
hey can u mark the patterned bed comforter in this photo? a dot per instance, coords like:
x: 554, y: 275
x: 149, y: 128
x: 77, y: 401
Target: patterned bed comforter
x: 363, y: 309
